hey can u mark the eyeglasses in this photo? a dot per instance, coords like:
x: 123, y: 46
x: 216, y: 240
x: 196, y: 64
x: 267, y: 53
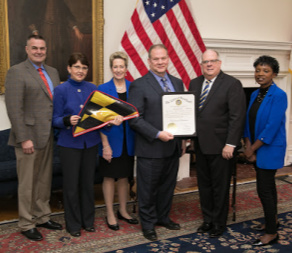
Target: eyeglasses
x: 80, y: 68
x: 211, y: 61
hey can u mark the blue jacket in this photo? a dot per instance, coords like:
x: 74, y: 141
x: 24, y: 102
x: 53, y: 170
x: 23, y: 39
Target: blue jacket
x: 270, y: 128
x: 69, y: 97
x: 115, y: 135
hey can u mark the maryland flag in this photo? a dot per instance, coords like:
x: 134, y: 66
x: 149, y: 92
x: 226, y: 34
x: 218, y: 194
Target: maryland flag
x: 99, y: 109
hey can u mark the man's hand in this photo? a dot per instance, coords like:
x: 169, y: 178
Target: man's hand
x: 227, y: 152
x: 27, y: 147
x: 165, y: 136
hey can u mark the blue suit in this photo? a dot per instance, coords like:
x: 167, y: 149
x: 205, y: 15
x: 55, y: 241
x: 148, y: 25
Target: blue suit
x: 269, y: 128
x: 116, y: 133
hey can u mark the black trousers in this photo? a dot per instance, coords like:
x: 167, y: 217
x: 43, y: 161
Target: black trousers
x: 156, y: 180
x: 214, y: 175
x: 267, y: 191
x: 78, y: 166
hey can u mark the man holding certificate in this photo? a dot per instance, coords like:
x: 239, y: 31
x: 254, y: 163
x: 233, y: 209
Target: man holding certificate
x: 157, y: 151
x: 220, y: 113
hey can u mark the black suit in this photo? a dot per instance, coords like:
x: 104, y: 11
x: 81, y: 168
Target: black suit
x: 157, y: 161
x: 219, y: 122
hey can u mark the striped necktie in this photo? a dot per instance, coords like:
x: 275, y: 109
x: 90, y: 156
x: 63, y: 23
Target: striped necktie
x: 204, y: 94
x: 165, y: 85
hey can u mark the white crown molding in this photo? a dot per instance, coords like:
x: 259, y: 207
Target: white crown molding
x: 247, y: 44
x: 238, y: 56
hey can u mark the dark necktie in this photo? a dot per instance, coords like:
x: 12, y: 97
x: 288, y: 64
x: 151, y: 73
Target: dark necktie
x: 204, y: 94
x: 45, y: 81
x: 165, y: 85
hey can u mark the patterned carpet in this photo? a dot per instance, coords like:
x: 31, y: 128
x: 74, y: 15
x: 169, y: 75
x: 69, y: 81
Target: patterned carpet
x: 185, y: 211
x: 238, y: 238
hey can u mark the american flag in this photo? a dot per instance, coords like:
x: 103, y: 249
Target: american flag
x: 169, y: 22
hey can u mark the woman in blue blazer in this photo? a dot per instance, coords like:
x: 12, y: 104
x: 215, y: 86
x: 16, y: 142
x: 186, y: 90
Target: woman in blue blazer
x: 77, y: 154
x: 265, y: 140
x: 117, y: 149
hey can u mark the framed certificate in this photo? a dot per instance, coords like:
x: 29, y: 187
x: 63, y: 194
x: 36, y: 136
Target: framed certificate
x: 178, y: 113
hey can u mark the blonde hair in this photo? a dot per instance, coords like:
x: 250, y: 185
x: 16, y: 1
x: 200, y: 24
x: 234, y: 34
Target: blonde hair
x: 118, y: 55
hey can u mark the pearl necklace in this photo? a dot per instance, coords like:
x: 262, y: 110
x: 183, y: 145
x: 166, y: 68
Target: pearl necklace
x: 119, y: 89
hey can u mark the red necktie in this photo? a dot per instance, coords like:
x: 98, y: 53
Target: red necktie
x: 45, y: 81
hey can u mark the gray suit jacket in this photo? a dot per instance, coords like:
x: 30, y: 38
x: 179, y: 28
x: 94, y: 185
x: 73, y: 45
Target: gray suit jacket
x: 145, y: 94
x: 221, y: 119
x: 28, y: 104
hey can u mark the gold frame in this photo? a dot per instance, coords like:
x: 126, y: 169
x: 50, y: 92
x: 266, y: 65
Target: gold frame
x: 97, y: 42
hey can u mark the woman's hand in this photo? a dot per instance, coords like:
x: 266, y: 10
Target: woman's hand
x: 250, y: 155
x: 118, y: 120
x: 248, y: 152
x: 107, y: 153
x: 252, y: 158
x: 74, y: 120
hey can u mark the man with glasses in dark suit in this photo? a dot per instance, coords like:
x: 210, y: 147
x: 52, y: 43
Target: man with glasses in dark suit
x: 220, y: 114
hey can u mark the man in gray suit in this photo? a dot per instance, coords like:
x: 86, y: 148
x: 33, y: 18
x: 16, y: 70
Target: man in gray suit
x: 29, y: 89
x: 220, y: 114
x: 157, y: 151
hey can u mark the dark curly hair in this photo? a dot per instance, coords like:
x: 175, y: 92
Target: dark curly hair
x: 267, y: 60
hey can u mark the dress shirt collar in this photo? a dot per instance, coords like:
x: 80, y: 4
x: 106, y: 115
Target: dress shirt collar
x: 37, y: 67
x: 158, y: 78
x: 211, y: 82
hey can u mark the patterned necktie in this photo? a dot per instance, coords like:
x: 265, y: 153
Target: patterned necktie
x: 45, y: 81
x: 165, y: 85
x: 204, y: 94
